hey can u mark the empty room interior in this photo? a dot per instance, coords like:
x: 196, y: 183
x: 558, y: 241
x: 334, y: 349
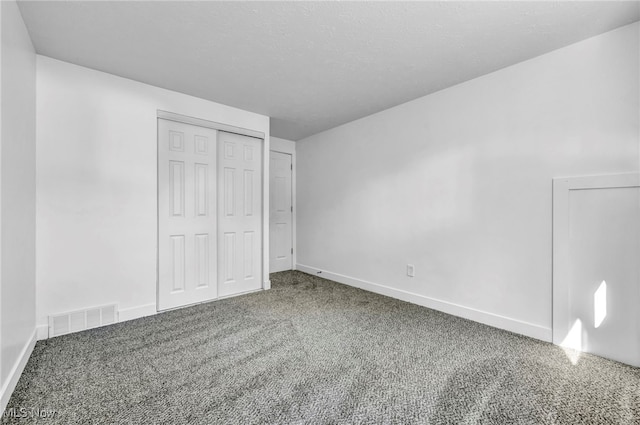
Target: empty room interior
x: 320, y: 212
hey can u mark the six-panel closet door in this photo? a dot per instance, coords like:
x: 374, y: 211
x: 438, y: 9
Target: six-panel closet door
x: 239, y: 214
x: 187, y: 222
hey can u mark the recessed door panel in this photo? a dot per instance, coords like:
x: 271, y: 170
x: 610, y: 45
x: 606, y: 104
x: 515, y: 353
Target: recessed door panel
x: 203, y: 260
x: 249, y: 253
x: 248, y: 192
x: 202, y: 145
x: 176, y: 188
x: 176, y: 141
x: 281, y: 238
x: 229, y: 257
x: 229, y: 190
x: 202, y: 189
x: 177, y: 262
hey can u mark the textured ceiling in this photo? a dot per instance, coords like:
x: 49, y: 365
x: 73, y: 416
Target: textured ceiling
x: 311, y: 66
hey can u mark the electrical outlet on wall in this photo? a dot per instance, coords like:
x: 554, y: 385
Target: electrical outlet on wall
x: 411, y: 270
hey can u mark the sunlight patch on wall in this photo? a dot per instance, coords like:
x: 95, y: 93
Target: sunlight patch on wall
x: 600, y: 304
x: 572, y: 344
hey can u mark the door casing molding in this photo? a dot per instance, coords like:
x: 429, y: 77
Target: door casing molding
x: 209, y: 124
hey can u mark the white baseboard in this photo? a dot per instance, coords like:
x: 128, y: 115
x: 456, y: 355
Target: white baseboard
x: 495, y: 320
x: 15, y: 372
x: 42, y: 332
x: 137, y: 312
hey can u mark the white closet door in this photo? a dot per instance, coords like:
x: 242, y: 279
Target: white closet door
x: 239, y: 214
x: 186, y: 214
x: 280, y: 213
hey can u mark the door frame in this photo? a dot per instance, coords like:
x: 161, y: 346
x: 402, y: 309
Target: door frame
x: 186, y: 119
x: 561, y: 276
x: 289, y: 149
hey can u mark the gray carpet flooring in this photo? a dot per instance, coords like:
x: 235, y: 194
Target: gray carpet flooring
x: 311, y: 351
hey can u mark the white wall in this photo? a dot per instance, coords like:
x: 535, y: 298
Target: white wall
x: 96, y: 186
x: 17, y: 198
x: 283, y: 145
x: 458, y: 183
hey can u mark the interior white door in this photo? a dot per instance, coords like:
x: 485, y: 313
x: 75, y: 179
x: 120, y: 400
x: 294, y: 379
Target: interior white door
x: 186, y: 214
x: 603, y: 273
x: 280, y: 212
x: 239, y: 214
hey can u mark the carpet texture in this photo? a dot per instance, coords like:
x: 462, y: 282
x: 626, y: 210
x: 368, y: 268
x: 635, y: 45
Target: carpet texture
x: 311, y: 351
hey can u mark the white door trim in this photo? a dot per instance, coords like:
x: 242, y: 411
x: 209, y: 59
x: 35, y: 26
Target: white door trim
x: 561, y: 188
x: 171, y: 116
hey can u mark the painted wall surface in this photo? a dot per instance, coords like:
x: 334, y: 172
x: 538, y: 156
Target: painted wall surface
x: 459, y: 183
x: 97, y: 189
x: 283, y: 145
x: 18, y: 195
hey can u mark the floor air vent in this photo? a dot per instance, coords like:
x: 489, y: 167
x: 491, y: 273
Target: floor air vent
x: 80, y: 320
